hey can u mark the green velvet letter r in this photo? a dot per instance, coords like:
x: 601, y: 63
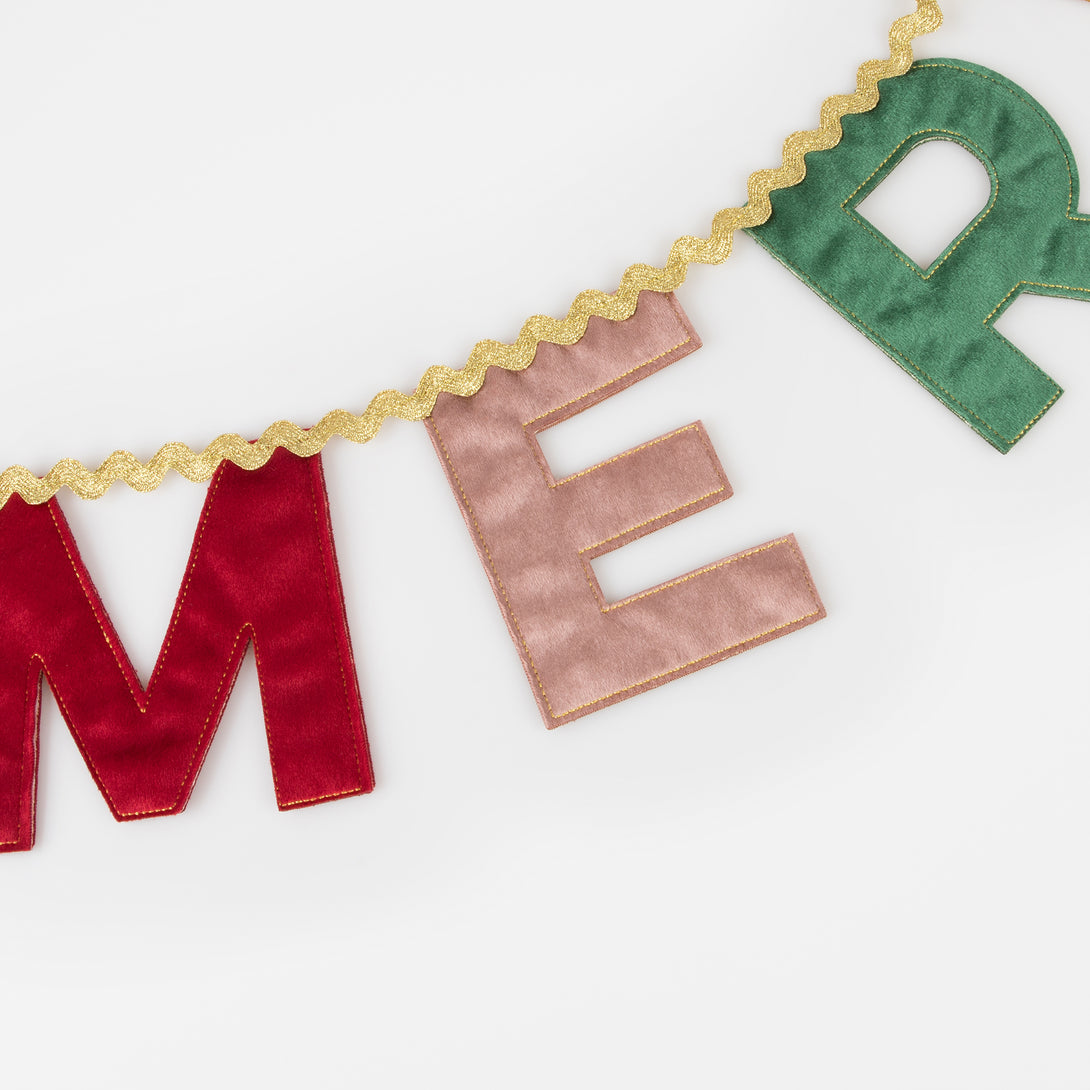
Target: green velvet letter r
x: 937, y: 322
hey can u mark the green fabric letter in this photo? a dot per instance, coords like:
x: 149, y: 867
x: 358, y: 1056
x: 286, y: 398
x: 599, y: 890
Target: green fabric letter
x: 937, y: 323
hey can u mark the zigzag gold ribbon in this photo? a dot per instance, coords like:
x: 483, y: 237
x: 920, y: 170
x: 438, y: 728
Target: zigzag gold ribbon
x: 126, y: 467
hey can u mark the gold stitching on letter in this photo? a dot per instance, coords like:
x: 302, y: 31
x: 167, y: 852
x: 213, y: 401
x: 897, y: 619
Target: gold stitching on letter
x: 904, y: 259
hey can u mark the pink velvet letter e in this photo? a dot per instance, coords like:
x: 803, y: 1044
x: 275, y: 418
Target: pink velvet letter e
x: 537, y: 535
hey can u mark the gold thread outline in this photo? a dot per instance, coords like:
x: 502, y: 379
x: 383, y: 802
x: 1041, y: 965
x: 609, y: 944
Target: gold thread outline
x: 199, y: 466
x: 851, y: 206
x: 621, y: 457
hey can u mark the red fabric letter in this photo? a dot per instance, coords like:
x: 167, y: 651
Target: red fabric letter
x: 536, y: 535
x: 263, y: 571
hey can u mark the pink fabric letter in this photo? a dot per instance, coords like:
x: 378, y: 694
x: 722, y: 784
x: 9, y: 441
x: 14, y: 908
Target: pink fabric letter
x: 537, y: 535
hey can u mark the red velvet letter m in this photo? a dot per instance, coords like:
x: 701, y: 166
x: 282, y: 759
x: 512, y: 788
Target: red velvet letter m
x: 262, y: 570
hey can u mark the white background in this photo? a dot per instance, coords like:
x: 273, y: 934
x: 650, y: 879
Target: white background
x: 854, y: 858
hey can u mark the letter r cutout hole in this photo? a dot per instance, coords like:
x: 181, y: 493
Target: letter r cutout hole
x: 927, y: 196
x: 536, y: 534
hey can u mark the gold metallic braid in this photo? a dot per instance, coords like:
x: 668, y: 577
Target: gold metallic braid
x: 123, y: 466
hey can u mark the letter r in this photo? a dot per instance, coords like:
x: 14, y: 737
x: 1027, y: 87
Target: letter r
x: 536, y: 535
x: 938, y: 323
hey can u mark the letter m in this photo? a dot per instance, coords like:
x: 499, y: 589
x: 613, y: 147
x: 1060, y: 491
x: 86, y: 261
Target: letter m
x: 263, y: 571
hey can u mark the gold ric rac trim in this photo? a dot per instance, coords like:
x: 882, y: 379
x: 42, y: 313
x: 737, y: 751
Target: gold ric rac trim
x: 126, y: 467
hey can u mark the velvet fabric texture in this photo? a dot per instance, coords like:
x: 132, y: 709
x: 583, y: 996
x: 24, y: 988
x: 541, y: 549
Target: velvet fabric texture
x: 262, y: 570
x: 937, y: 323
x: 536, y: 535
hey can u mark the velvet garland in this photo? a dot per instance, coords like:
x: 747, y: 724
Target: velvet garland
x: 263, y: 568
